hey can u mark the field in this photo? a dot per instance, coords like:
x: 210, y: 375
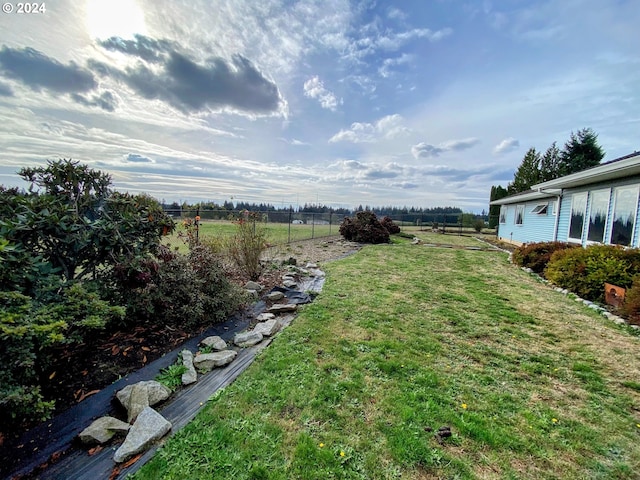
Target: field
x: 407, y: 339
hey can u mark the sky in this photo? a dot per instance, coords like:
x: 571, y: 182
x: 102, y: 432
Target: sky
x: 421, y: 103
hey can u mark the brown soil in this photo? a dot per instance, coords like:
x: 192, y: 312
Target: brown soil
x: 85, y: 369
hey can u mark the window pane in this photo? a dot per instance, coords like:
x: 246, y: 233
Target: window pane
x: 626, y: 201
x: 503, y: 214
x: 598, y: 215
x: 519, y: 214
x: 578, y: 210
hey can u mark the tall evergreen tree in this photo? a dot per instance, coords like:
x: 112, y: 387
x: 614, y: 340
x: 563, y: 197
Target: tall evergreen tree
x: 550, y: 163
x: 581, y: 151
x: 528, y: 173
x: 497, y: 192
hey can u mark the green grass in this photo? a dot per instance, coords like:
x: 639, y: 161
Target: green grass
x: 277, y: 233
x: 403, y: 340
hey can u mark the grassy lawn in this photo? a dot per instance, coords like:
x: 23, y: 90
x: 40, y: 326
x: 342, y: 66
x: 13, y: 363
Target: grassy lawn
x: 277, y: 233
x: 404, y: 340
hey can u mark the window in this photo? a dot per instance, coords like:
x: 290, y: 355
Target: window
x: 503, y: 214
x: 541, y: 209
x: 624, y: 214
x: 519, y: 214
x: 598, y: 212
x: 578, y: 211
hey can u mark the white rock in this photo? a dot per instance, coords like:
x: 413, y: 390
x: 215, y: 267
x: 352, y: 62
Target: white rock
x: 275, y: 296
x: 247, y: 339
x: 268, y: 328
x: 215, y: 343
x: 149, y: 427
x: 263, y: 317
x: 190, y: 376
x: 102, y: 430
x: 208, y: 361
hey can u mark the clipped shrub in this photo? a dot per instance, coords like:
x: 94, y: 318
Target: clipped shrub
x: 478, y: 225
x: 390, y: 225
x: 536, y: 256
x: 364, y: 227
x: 585, y: 271
x: 630, y: 309
x: 180, y: 290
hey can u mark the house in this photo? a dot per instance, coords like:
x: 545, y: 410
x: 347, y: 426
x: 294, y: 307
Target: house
x: 596, y: 205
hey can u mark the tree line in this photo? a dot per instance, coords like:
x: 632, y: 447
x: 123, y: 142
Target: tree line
x: 580, y: 152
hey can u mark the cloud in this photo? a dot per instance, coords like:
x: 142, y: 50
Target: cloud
x: 148, y: 49
x: 5, y: 90
x: 136, y: 158
x: 396, y: 14
x: 217, y: 84
x: 314, y: 88
x: 38, y: 71
x: 389, y: 63
x: 388, y: 127
x: 394, y: 41
x: 506, y: 145
x: 106, y: 101
x: 425, y: 150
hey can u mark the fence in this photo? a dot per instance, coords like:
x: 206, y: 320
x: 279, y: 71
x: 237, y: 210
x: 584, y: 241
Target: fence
x: 286, y: 226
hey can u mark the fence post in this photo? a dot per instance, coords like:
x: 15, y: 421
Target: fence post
x: 330, y: 219
x: 198, y: 226
x: 313, y: 225
x: 290, y: 220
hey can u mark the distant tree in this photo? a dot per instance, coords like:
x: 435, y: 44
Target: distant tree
x: 527, y: 174
x: 581, y: 151
x: 550, y: 164
x: 497, y: 192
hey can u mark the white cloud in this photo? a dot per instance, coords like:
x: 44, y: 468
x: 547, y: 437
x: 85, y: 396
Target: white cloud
x: 387, y: 65
x: 314, y: 88
x: 506, y: 145
x: 388, y: 127
x: 425, y: 150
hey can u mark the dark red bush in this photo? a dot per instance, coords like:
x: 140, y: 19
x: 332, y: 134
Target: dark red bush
x: 390, y: 225
x: 364, y: 227
x: 536, y: 256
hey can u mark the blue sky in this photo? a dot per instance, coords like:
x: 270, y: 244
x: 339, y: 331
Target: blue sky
x: 419, y: 103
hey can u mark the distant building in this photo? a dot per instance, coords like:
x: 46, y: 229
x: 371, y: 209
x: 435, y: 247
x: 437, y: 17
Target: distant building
x: 597, y: 205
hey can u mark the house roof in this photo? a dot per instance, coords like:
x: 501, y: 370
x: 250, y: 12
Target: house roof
x: 622, y: 167
x: 527, y: 196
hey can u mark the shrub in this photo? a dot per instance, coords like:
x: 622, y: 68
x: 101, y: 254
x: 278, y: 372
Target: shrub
x: 584, y: 271
x: 630, y: 309
x: 30, y: 329
x: 478, y: 225
x: 536, y: 256
x: 247, y: 244
x: 180, y: 290
x: 390, y: 225
x: 364, y: 227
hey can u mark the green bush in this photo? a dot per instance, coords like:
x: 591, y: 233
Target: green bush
x: 585, y: 271
x: 29, y: 330
x: 364, y: 227
x: 536, y: 256
x: 180, y: 290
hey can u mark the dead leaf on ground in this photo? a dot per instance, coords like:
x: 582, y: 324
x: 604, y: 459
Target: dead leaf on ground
x: 88, y: 394
x: 94, y: 450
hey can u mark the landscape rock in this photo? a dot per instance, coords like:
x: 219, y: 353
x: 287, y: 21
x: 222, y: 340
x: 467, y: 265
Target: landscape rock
x: 102, y: 430
x: 282, y: 307
x: 316, y: 273
x: 149, y: 427
x: 190, y: 376
x: 263, y: 317
x: 140, y: 395
x: 275, y: 296
x: 311, y: 265
x: 268, y: 328
x: 215, y: 342
x: 253, y: 294
x: 416, y: 241
x: 138, y: 401
x: 247, y: 339
x: 251, y: 285
x: 290, y: 283
x: 206, y: 362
